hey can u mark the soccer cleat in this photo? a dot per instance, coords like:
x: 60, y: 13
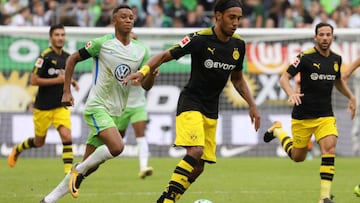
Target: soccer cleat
x: 75, y: 181
x: 326, y: 200
x: 12, y: 158
x: 357, y: 190
x: 269, y: 134
x: 148, y: 171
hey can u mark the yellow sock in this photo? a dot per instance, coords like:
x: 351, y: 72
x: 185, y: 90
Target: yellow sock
x: 285, y: 140
x: 67, y: 157
x: 327, y: 172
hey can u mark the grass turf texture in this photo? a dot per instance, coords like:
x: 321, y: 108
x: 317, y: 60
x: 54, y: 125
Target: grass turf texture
x: 231, y: 180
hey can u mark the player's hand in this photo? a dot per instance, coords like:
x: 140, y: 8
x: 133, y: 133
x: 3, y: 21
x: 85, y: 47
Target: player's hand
x: 352, y: 107
x: 135, y: 79
x: 295, y: 99
x: 67, y: 99
x: 61, y: 76
x: 255, y: 117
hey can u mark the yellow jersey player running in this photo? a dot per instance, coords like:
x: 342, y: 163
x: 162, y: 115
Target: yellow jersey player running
x: 319, y: 68
x: 217, y: 54
x: 48, y: 74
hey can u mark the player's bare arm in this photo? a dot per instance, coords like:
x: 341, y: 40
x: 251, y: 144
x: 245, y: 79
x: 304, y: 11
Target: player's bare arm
x: 67, y: 98
x: 153, y: 63
x: 39, y: 81
x: 353, y: 66
x: 342, y: 86
x: 242, y: 88
x: 294, y: 97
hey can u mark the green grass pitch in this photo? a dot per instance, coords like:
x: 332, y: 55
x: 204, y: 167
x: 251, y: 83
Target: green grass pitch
x: 231, y: 180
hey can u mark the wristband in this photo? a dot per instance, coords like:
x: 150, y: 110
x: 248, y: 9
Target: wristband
x: 144, y: 70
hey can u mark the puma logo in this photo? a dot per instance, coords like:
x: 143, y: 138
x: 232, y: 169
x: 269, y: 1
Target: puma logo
x: 317, y: 65
x: 211, y: 50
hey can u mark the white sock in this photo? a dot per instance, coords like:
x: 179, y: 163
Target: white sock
x: 100, y: 155
x: 143, y: 149
x: 60, y: 190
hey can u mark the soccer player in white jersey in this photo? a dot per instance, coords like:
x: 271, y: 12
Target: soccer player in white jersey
x: 115, y: 56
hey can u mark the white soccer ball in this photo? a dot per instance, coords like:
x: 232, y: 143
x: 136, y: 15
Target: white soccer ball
x: 203, y: 201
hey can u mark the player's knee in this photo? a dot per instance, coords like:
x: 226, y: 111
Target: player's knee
x: 195, y: 152
x: 116, y: 151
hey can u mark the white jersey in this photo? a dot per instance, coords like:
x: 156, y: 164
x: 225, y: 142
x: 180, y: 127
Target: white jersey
x: 113, y: 61
x: 136, y: 97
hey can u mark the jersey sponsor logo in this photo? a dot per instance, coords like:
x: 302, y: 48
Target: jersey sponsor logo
x: 218, y: 65
x: 121, y: 72
x: 211, y: 50
x: 336, y: 66
x: 317, y: 65
x: 317, y: 76
x: 296, y: 62
x: 88, y: 44
x: 236, y: 54
x: 184, y: 41
x: 39, y: 62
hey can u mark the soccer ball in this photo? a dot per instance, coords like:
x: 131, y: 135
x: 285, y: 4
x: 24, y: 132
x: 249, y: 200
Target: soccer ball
x: 203, y: 201
x: 357, y: 190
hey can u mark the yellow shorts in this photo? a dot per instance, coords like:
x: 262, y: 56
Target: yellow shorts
x: 302, y: 130
x: 195, y: 129
x: 56, y: 117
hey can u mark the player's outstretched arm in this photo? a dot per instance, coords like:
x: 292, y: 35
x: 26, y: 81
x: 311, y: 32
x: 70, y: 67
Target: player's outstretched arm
x: 353, y: 66
x: 73, y: 59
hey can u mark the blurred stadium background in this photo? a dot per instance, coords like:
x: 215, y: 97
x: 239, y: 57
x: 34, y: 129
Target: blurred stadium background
x: 269, y: 52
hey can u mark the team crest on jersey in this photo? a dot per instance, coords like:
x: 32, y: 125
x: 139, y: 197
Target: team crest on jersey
x: 121, y: 72
x: 88, y: 44
x: 184, y: 41
x: 336, y: 66
x: 236, y: 54
x: 39, y: 62
x: 296, y: 62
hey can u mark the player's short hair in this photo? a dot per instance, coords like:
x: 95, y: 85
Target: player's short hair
x: 320, y: 25
x: 222, y: 5
x: 55, y: 27
x: 121, y: 6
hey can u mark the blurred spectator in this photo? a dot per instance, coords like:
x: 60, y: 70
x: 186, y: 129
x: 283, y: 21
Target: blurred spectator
x: 82, y: 13
x: 324, y: 18
x: 158, y: 18
x: 177, y: 22
x: 67, y: 12
x: 354, y: 20
x: 11, y: 7
x: 300, y: 14
x: 254, y: 10
x: 288, y: 21
x: 198, y: 18
x: 245, y: 22
x: 38, y: 18
x: 105, y: 18
x: 208, y: 5
x: 139, y: 21
x: 176, y: 9
x: 94, y: 12
x: 277, y: 11
x: 314, y: 11
x: 23, y: 18
x: 50, y: 14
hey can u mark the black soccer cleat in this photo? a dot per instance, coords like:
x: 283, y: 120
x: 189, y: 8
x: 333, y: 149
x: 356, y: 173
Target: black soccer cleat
x: 269, y: 134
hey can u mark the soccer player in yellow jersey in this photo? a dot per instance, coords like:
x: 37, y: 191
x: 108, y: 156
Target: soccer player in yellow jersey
x: 217, y: 54
x: 319, y: 68
x: 48, y: 74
